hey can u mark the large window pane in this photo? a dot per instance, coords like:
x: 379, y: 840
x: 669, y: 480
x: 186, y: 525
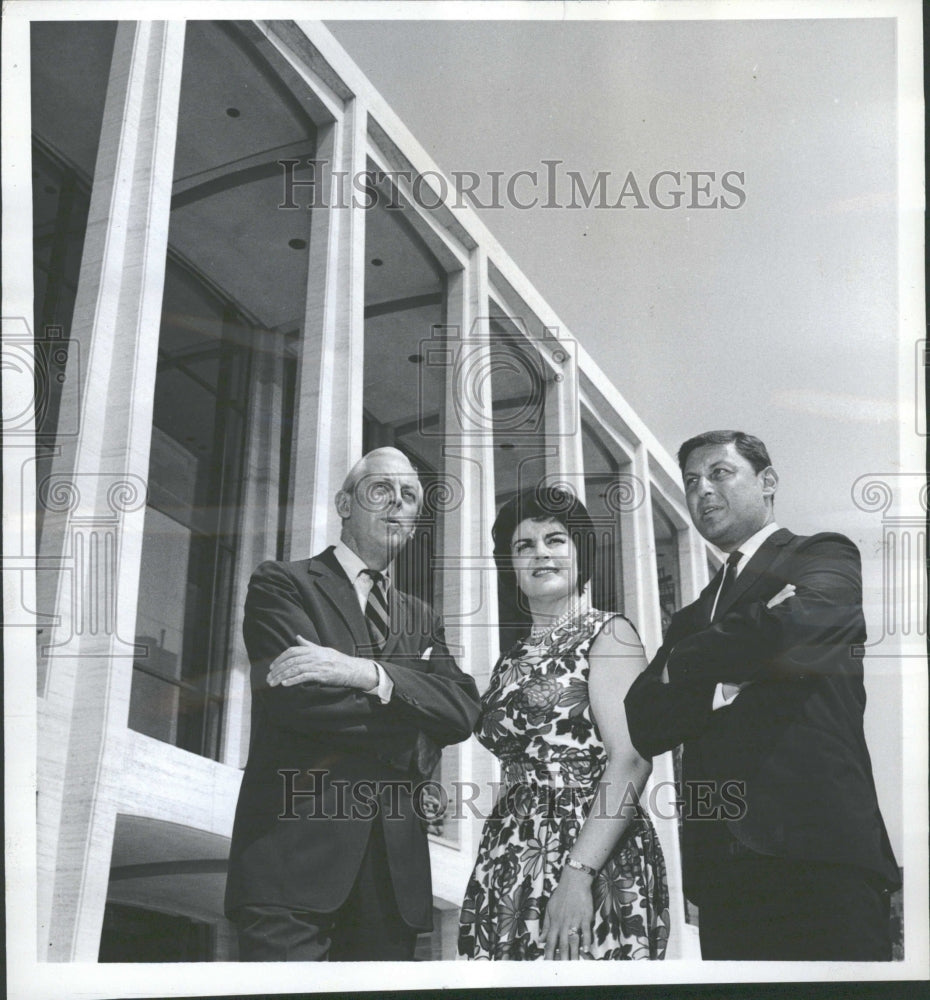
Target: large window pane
x: 605, y: 493
x: 70, y: 67
x: 667, y: 568
x: 518, y: 394
x: 405, y: 309
x: 235, y: 286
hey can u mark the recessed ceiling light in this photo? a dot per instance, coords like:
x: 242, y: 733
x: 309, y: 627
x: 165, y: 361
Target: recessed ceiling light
x: 416, y: 359
x: 297, y: 244
x: 233, y: 112
x: 376, y: 262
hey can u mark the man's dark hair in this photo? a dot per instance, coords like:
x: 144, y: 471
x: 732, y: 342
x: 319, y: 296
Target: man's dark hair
x: 544, y: 503
x: 751, y: 448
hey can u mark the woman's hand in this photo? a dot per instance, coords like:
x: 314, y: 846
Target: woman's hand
x: 567, y: 925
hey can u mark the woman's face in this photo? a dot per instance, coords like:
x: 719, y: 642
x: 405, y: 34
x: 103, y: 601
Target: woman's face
x: 544, y: 560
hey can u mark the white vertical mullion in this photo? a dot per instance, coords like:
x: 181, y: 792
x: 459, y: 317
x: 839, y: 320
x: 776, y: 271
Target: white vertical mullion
x: 565, y: 457
x: 470, y: 580
x: 692, y: 560
x: 102, y: 473
x: 328, y: 433
x: 258, y: 531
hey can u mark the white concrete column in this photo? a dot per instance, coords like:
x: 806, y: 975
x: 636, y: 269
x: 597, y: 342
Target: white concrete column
x: 469, y: 575
x: 96, y: 492
x: 640, y: 571
x: 692, y: 562
x: 258, y: 517
x: 564, y: 451
x: 640, y: 580
x: 328, y: 418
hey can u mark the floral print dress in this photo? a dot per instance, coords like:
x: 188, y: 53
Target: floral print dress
x: 536, y: 718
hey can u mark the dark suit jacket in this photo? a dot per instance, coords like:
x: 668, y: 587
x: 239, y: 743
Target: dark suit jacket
x: 368, y: 755
x: 793, y: 737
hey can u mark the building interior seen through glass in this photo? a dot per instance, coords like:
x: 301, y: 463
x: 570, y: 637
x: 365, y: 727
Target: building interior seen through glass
x: 232, y: 309
x: 70, y: 68
x: 402, y: 403
x: 667, y: 564
x: 606, y: 498
x: 227, y: 393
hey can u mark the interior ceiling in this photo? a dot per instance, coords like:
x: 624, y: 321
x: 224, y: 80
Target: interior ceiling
x: 140, y: 840
x: 236, y: 120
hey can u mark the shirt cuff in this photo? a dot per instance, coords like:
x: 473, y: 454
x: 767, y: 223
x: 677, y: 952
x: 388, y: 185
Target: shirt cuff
x: 385, y: 686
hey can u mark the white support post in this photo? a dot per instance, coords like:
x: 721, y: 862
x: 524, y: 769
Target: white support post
x: 692, y: 560
x: 640, y: 563
x: 565, y: 458
x: 96, y: 491
x: 470, y: 581
x: 258, y: 517
x: 328, y: 419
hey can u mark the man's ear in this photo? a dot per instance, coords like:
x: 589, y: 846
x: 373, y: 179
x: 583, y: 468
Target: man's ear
x: 769, y: 482
x: 343, y: 505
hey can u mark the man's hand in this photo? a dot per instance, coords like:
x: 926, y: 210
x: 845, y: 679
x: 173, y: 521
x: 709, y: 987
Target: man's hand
x: 308, y: 662
x: 787, y: 591
x: 730, y: 691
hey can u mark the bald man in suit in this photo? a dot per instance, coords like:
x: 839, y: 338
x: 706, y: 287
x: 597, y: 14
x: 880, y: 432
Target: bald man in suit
x: 354, y: 693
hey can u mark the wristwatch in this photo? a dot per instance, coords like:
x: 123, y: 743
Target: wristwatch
x: 581, y: 866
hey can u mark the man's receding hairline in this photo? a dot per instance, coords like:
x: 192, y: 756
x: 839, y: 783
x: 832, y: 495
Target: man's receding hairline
x: 359, y: 469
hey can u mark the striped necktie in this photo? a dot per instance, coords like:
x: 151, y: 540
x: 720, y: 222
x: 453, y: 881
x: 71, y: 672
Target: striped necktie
x: 727, y: 581
x: 376, y: 609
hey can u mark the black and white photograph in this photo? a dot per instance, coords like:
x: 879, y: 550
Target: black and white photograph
x: 464, y: 495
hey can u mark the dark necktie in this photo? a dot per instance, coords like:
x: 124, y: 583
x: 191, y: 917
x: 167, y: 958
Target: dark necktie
x: 726, y: 584
x: 376, y: 610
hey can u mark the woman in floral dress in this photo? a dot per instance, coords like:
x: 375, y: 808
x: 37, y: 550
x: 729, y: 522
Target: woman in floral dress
x: 569, y: 864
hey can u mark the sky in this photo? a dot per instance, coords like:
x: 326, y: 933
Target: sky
x: 779, y: 316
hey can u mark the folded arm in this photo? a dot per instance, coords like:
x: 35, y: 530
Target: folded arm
x: 796, y: 638
x: 274, y: 618
x: 661, y: 715
x: 308, y: 685
x: 434, y: 694
x: 783, y: 635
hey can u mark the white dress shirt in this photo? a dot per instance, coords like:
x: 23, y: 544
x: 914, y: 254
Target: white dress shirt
x: 749, y: 548
x: 356, y: 570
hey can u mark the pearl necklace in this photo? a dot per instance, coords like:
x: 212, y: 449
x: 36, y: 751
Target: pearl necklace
x: 540, y: 632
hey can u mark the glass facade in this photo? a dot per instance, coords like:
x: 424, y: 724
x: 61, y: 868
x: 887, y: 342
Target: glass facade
x: 604, y: 495
x: 667, y: 568
x: 260, y: 313
x: 234, y: 290
x: 70, y: 65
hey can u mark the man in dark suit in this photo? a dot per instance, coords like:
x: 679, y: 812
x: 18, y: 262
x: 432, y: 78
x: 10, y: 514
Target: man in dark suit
x: 783, y: 846
x: 354, y: 692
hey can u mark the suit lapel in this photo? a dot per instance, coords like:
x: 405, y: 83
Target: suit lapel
x: 336, y: 589
x: 759, y: 566
x: 706, y: 600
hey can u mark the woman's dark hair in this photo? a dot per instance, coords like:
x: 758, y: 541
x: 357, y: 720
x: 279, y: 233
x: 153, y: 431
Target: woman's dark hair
x: 543, y: 503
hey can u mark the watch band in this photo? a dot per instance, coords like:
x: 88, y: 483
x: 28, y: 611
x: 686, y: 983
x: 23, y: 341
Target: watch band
x: 580, y: 866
